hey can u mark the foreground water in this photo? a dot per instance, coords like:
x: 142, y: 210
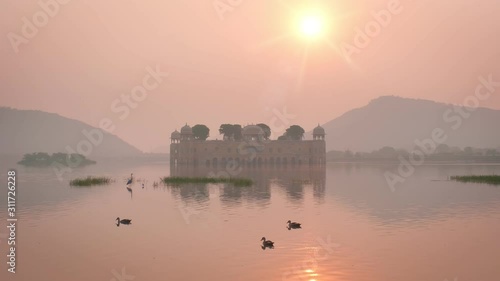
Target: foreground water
x: 354, y: 226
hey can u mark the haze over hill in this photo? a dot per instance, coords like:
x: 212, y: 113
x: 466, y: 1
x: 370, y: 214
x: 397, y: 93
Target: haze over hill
x: 26, y: 131
x: 385, y: 121
x: 398, y: 122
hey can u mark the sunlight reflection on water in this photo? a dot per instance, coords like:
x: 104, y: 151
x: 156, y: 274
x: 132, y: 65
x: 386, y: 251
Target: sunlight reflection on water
x: 354, y: 227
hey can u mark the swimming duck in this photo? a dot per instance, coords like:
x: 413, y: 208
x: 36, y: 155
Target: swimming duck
x: 293, y: 224
x: 267, y: 243
x: 123, y: 221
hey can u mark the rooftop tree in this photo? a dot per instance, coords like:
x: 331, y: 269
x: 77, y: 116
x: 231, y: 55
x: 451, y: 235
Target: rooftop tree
x: 200, y: 132
x: 283, y: 137
x: 226, y: 130
x: 295, y: 132
x: 237, y: 132
x: 266, y: 129
x: 231, y: 132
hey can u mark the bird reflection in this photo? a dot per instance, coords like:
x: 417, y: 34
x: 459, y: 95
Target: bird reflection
x: 130, y: 190
x: 266, y: 247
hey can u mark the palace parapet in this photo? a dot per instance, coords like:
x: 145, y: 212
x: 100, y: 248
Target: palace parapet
x: 252, y: 150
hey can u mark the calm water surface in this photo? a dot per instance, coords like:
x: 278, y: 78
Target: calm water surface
x: 354, y: 226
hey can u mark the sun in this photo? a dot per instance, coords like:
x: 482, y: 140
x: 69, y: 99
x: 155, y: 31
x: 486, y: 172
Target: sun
x: 311, y: 26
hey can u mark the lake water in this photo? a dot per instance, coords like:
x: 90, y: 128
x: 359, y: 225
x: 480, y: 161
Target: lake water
x: 354, y: 226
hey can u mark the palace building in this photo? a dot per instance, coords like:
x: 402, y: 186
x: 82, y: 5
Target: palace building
x: 252, y: 150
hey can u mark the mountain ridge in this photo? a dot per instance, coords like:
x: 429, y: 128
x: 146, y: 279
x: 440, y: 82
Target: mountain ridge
x: 398, y: 122
x: 27, y: 131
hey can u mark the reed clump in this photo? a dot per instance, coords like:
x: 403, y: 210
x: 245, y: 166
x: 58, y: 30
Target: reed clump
x: 89, y: 181
x: 205, y: 180
x: 489, y: 179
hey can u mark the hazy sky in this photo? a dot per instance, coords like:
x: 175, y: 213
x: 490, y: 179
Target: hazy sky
x: 240, y: 65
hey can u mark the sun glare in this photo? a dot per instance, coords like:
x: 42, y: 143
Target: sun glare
x: 311, y: 26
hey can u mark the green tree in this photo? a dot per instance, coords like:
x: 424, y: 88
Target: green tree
x: 491, y: 152
x: 468, y: 150
x: 266, y: 129
x: 226, y: 130
x: 231, y: 132
x: 348, y: 154
x: 387, y: 152
x: 200, y: 132
x: 443, y: 148
x: 295, y: 132
x: 37, y: 158
x: 237, y: 132
x: 283, y: 137
x: 44, y: 159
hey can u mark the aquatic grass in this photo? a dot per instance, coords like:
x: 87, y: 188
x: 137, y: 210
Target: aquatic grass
x: 205, y: 180
x: 489, y: 179
x: 89, y: 181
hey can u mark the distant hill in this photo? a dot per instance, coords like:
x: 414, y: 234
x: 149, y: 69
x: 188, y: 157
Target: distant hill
x: 398, y: 122
x: 28, y: 131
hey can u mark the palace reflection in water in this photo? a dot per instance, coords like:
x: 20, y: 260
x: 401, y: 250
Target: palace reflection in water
x: 423, y: 230
x: 292, y: 179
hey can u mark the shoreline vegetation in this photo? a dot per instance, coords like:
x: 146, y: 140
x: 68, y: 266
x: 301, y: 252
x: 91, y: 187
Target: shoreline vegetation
x: 488, y: 179
x: 440, y: 154
x: 42, y: 159
x: 89, y: 181
x: 176, y: 181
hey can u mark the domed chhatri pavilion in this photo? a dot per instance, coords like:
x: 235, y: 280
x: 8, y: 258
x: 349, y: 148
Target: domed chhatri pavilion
x: 319, y: 133
x: 252, y: 150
